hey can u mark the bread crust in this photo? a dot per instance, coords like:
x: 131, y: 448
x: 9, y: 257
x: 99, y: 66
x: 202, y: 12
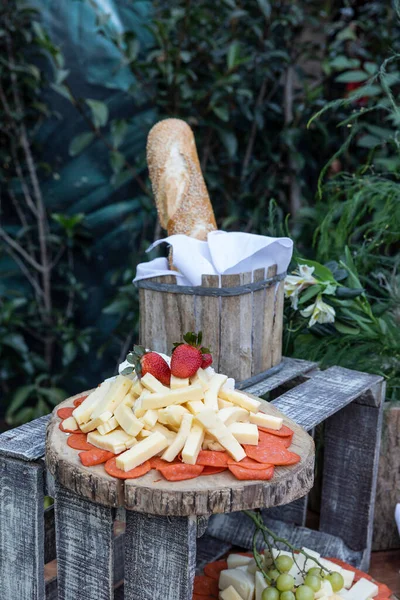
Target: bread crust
x: 182, y: 200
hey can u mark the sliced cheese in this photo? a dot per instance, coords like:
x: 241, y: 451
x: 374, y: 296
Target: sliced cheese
x: 144, y: 433
x: 213, y: 424
x: 129, y: 399
x: 192, y: 392
x: 142, y: 451
x: 95, y: 423
x: 70, y: 423
x: 202, y: 378
x: 211, y: 395
x: 82, y: 413
x: 181, y: 437
x: 108, y: 426
x: 193, y: 444
x: 326, y: 590
x: 242, y: 581
x: 264, y: 420
x: 150, y: 418
x: 244, y: 433
x: 172, y: 415
x: 363, y: 589
x: 177, y: 383
x: 210, y: 444
x: 127, y: 420
x: 232, y: 414
x: 237, y: 560
x: 152, y: 384
x: 348, y: 577
x: 113, y: 442
x: 170, y: 435
x: 240, y: 399
x: 224, y: 403
x: 117, y: 392
x: 138, y: 406
x: 137, y: 388
x: 195, y: 406
x: 230, y: 594
x: 261, y: 585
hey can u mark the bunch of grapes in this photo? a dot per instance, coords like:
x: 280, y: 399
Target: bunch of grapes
x: 282, y: 586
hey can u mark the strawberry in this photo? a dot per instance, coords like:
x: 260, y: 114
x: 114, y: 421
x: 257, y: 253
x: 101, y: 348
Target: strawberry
x: 207, y: 360
x: 148, y: 362
x: 187, y: 358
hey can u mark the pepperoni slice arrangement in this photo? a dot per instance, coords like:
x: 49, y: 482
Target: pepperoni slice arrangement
x: 259, y: 465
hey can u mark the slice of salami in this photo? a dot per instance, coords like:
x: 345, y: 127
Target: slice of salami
x: 293, y: 459
x: 284, y: 431
x: 156, y: 462
x: 212, y: 470
x: 214, y: 569
x: 78, y: 441
x: 274, y: 455
x: 249, y: 463
x: 79, y: 401
x: 212, y: 458
x: 266, y: 439
x: 180, y: 471
x: 112, y: 469
x: 253, y: 474
x: 66, y: 412
x: 205, y: 586
x: 89, y: 458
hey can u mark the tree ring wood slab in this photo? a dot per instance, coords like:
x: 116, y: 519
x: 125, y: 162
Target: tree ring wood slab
x: 152, y: 494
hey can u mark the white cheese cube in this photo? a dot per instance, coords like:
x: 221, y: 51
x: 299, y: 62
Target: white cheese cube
x: 261, y: 585
x: 172, y: 415
x: 230, y: 594
x: 137, y: 388
x: 242, y: 581
x: 213, y: 424
x: 211, y: 395
x: 297, y: 568
x: 127, y: 420
x: 70, y: 423
x: 233, y: 414
x: 108, y: 426
x: 129, y: 399
x: 330, y: 566
x: 363, y: 589
x: 178, y: 383
x: 138, y: 409
x: 210, y: 444
x: 309, y: 562
x: 195, y: 406
x: 192, y: 392
x: 170, y: 435
x: 82, y: 413
x: 132, y: 442
x: 224, y: 404
x: 152, y: 384
x: 326, y: 589
x: 252, y: 567
x: 117, y: 392
x: 263, y: 420
x: 143, y: 451
x: 240, y: 399
x: 144, y: 433
x: 95, y: 423
x: 244, y: 433
x: 113, y: 442
x: 348, y: 577
x: 202, y: 378
x: 150, y: 418
x: 237, y: 560
x: 193, y: 444
x: 181, y: 437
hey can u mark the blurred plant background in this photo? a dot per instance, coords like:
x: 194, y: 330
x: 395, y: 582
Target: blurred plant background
x: 295, y: 111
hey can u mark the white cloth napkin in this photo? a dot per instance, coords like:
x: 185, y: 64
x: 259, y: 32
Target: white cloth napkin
x: 225, y: 253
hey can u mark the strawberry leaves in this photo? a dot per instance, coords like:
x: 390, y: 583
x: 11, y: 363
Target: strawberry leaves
x: 193, y: 339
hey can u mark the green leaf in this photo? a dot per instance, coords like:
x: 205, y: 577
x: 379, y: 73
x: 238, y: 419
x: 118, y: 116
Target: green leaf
x: 233, y: 55
x: 99, y: 112
x: 54, y: 395
x: 62, y: 90
x: 370, y: 67
x: 80, y: 142
x: 221, y: 112
x: 16, y: 342
x: 341, y: 62
x: 368, y: 141
x: 309, y: 293
x: 127, y: 371
x: 346, y: 293
x: 229, y: 140
x: 352, y: 77
x: 18, y: 399
x: 117, y: 161
x: 70, y: 352
x: 346, y: 329
x: 265, y: 8
x: 118, y: 128
x: 320, y: 272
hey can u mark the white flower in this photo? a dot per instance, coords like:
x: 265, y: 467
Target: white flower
x: 294, y: 284
x: 320, y: 312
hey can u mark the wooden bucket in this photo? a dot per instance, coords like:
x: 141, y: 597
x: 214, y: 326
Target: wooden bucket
x: 241, y: 318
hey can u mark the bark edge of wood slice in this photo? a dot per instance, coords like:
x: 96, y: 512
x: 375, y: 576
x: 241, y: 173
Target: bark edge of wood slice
x: 152, y: 494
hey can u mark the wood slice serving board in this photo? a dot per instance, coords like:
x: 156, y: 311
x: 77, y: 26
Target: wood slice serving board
x: 152, y: 494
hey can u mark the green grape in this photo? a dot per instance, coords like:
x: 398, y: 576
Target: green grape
x: 270, y: 593
x: 285, y: 582
x: 287, y: 596
x: 314, y: 582
x: 284, y: 563
x: 336, y: 580
x: 273, y: 574
x: 316, y: 571
x: 304, y: 592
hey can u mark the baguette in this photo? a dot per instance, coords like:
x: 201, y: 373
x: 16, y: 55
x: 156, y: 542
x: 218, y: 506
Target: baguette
x: 181, y: 196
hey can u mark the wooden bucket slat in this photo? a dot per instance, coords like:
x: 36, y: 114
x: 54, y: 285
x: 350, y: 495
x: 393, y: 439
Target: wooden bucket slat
x: 229, y: 358
x: 170, y: 319
x: 258, y: 324
x: 277, y: 328
x: 208, y: 317
x: 153, y: 334
x: 246, y: 330
x: 269, y: 311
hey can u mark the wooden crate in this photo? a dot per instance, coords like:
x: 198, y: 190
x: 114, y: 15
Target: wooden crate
x: 242, y: 315
x: 87, y: 539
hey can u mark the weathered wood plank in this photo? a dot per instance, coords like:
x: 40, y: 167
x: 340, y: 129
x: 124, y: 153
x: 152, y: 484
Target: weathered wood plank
x: 208, y: 318
x: 295, y: 512
x: 245, y: 330
x: 21, y: 530
x: 25, y: 442
x: 271, y: 317
x: 49, y: 535
x: 289, y: 369
x: 324, y: 394
x: 386, y: 535
x: 277, y: 328
x: 171, y: 318
x: 258, y: 324
x: 160, y: 557
x: 208, y: 550
x: 351, y: 455
x: 84, y: 534
x: 151, y: 306
x: 229, y: 359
